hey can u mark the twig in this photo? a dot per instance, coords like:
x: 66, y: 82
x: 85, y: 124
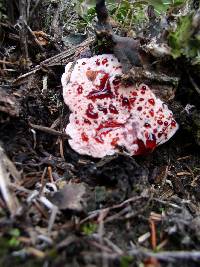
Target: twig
x: 167, y: 256
x: 138, y: 74
x: 34, y: 37
x: 48, y: 130
x: 55, y: 27
x: 114, y: 247
x: 23, y: 31
x: 8, y: 62
x: 34, y: 8
x: 7, y: 168
x: 50, y: 174
x: 153, y: 234
x: 42, y: 181
x: 196, y: 87
x: 60, y: 59
x: 117, y: 206
x: 166, y: 203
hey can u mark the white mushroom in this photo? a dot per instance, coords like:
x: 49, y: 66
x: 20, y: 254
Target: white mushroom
x: 108, y: 115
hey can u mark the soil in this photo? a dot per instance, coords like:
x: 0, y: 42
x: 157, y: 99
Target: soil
x: 134, y: 211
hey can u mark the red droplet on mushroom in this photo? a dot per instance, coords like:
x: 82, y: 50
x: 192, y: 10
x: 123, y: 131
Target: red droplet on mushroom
x: 113, y: 109
x: 151, y: 112
x: 125, y: 102
x: 84, y: 137
x: 80, y: 89
x: 116, y: 81
x: 105, y: 128
x: 151, y: 142
x: 132, y: 100
x: 114, y: 141
x: 90, y: 113
x: 97, y: 62
x: 103, y: 90
x: 159, y: 122
x: 134, y: 93
x: 104, y: 61
x: 108, y: 115
x: 173, y: 123
x: 151, y: 101
x: 147, y: 125
x: 87, y: 121
x: 139, y: 108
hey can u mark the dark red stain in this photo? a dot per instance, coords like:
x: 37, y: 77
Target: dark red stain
x: 151, y: 142
x: 90, y: 113
x: 125, y: 102
x: 105, y: 128
x: 127, y: 84
x: 134, y: 93
x: 103, y: 109
x: 84, y: 137
x: 151, y: 101
x: 83, y: 63
x: 97, y: 62
x: 141, y: 99
x: 103, y: 90
x: 132, y: 100
x: 143, y: 89
x: 173, y: 123
x: 116, y: 90
x: 116, y: 81
x: 166, y: 123
x: 139, y: 108
x: 149, y: 147
x: 151, y: 112
x: 80, y: 89
x: 113, y: 109
x: 160, y: 122
x: 147, y: 125
x: 114, y: 141
x: 87, y: 121
x: 104, y: 61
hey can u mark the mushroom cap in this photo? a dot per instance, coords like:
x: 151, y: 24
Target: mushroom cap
x: 108, y: 115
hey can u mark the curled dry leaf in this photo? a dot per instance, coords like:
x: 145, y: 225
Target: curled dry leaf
x: 70, y: 197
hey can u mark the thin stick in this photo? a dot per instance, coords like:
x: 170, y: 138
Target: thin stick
x: 48, y: 130
x: 153, y: 234
x: 23, y: 32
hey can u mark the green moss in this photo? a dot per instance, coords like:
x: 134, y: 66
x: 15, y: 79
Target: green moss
x: 181, y: 40
x: 126, y: 261
x: 128, y: 14
x: 89, y: 228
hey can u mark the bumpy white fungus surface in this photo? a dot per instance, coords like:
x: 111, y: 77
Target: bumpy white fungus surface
x: 108, y: 116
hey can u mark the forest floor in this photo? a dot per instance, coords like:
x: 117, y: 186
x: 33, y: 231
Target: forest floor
x: 64, y: 209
